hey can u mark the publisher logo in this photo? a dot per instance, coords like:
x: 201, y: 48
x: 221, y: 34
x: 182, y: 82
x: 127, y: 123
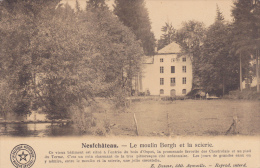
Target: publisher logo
x: 23, y: 156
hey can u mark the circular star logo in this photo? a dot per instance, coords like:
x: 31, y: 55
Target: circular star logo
x: 23, y: 156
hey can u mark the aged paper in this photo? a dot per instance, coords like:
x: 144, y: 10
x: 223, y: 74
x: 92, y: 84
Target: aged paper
x: 93, y: 152
x: 153, y: 151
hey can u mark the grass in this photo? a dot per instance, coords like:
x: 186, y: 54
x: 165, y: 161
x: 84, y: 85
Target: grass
x: 185, y: 118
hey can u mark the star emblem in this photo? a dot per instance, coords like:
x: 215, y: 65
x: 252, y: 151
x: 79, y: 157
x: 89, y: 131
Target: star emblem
x: 23, y: 156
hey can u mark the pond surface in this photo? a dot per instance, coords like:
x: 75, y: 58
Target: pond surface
x: 36, y: 130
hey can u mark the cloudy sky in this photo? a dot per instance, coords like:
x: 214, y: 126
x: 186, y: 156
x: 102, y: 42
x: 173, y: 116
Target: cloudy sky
x: 178, y: 11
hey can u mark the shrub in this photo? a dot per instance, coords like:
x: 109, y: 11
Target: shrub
x: 245, y: 95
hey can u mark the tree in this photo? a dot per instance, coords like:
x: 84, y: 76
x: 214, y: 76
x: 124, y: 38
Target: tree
x: 219, y: 67
x: 60, y: 61
x: 190, y: 37
x: 96, y: 4
x: 168, y: 35
x: 246, y: 30
x: 219, y: 16
x: 134, y: 15
x: 77, y: 6
x: 19, y: 21
x: 119, y: 49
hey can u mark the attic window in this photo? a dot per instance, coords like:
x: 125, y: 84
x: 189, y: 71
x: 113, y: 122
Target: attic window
x: 184, y: 59
x: 161, y: 59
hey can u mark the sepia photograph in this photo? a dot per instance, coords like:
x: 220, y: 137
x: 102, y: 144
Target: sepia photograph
x: 129, y: 68
x: 129, y: 83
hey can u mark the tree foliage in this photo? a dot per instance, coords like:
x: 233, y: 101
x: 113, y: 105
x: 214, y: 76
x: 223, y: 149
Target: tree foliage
x: 219, y: 16
x: 246, y: 26
x: 134, y: 15
x: 191, y: 37
x: 60, y: 58
x: 246, y: 30
x: 96, y: 4
x: 168, y: 35
x: 219, y: 67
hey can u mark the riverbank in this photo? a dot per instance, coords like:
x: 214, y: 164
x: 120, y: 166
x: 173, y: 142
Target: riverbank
x: 156, y: 117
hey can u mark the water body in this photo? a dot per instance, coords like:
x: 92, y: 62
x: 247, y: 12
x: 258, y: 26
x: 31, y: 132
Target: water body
x: 37, y: 130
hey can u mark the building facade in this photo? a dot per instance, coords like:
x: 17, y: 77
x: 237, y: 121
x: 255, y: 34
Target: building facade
x: 168, y: 73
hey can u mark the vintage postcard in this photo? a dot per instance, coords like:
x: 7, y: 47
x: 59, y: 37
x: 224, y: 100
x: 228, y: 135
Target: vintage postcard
x: 129, y: 83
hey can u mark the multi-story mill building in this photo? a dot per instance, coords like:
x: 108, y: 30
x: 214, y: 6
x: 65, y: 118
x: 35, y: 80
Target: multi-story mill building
x: 168, y: 73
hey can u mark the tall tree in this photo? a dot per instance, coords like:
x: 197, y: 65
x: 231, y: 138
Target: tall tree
x: 218, y: 66
x: 77, y: 6
x: 190, y: 37
x: 246, y: 29
x: 121, y: 52
x: 168, y: 35
x: 219, y: 16
x: 134, y: 15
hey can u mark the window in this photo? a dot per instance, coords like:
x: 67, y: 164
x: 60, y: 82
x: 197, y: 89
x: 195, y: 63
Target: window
x: 161, y: 91
x: 161, y: 69
x: 183, y: 91
x: 184, y: 69
x: 173, y: 60
x: 161, y: 81
x: 172, y: 69
x: 184, y: 59
x: 184, y: 80
x: 172, y: 81
x: 161, y: 59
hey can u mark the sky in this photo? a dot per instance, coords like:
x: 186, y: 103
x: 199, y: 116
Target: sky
x: 179, y: 11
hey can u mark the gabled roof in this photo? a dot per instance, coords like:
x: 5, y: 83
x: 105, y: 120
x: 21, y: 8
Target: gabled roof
x: 171, y: 48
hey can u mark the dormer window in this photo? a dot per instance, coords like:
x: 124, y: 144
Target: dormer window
x: 161, y: 59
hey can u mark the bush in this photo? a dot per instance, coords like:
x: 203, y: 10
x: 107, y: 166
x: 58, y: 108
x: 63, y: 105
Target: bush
x: 245, y: 95
x: 82, y: 119
x: 171, y: 98
x: 85, y: 122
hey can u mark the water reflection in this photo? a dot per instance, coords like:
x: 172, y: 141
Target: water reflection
x: 37, y: 130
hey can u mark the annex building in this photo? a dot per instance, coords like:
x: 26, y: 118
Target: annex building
x: 168, y: 73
